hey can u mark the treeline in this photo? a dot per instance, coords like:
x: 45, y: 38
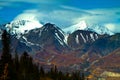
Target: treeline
x: 23, y: 68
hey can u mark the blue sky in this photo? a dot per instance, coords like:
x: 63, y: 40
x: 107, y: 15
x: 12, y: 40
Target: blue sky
x: 63, y: 13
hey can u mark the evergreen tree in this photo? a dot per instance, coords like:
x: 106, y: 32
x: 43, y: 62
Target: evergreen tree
x: 60, y: 76
x: 36, y: 73
x: 42, y: 73
x: 54, y: 74
x: 16, y: 61
x: 16, y: 65
x: 28, y: 70
x: 6, y: 58
x: 82, y: 76
x: 24, y: 66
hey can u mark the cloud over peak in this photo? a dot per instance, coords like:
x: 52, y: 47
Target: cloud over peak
x: 63, y: 13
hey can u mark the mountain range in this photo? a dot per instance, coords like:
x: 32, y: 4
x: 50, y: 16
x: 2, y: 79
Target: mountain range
x: 76, y: 47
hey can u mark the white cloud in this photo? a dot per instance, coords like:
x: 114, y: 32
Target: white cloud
x: 65, y: 16
x: 29, y: 15
x: 101, y: 16
x: 26, y: 16
x: 70, y: 8
x: 62, y: 15
x: 107, y: 17
x: 113, y: 27
x: 59, y: 17
x: 31, y: 19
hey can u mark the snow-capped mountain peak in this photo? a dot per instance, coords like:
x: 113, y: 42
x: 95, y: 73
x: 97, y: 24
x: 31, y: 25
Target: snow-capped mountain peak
x: 100, y: 29
x: 80, y: 26
x: 21, y: 26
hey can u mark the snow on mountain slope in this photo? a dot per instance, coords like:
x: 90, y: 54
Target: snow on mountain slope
x: 82, y: 25
x: 21, y: 26
x: 49, y: 33
x: 100, y: 29
x: 23, y: 23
